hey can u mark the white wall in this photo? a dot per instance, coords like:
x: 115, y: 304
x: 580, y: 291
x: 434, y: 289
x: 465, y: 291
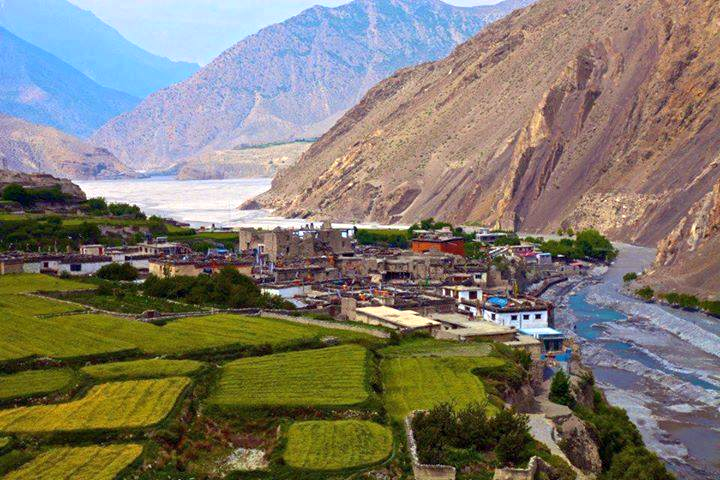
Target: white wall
x: 85, y: 268
x: 528, y: 319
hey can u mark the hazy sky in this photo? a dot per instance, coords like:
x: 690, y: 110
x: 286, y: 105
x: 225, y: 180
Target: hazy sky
x: 198, y: 30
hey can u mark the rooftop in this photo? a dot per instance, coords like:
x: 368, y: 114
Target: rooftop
x: 402, y: 318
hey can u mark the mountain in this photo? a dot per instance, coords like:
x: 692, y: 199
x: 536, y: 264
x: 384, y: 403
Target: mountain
x: 40, y: 88
x: 250, y: 162
x: 29, y: 148
x: 586, y: 113
x: 83, y: 41
x: 688, y: 259
x: 292, y: 80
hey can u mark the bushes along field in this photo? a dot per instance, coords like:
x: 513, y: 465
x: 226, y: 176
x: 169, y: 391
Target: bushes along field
x: 424, y: 382
x: 329, y: 377
x: 108, y: 406
x: 34, y: 382
x: 153, y: 368
x: 79, y: 463
x: 337, y: 445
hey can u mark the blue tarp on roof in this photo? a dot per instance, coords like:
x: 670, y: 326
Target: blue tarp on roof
x: 499, y: 301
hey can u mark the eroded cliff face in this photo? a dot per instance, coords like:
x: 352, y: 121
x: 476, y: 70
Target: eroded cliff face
x: 586, y: 113
x: 687, y: 259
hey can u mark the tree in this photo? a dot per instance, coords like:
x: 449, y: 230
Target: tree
x: 560, y: 390
x: 97, y: 206
x: 591, y: 243
x: 118, y: 272
x: 637, y: 463
x: 17, y: 193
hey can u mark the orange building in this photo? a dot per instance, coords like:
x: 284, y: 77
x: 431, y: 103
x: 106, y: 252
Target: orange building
x: 455, y: 245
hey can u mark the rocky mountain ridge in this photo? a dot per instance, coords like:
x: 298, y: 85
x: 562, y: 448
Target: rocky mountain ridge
x: 589, y: 113
x: 33, y: 149
x: 292, y: 80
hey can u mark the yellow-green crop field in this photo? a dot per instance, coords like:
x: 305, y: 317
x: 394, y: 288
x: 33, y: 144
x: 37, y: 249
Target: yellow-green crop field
x: 34, y: 382
x: 420, y: 383
x: 152, y: 368
x: 78, y: 463
x: 28, y: 305
x: 337, y: 445
x: 30, y: 282
x: 429, y: 347
x: 329, y: 377
x: 117, y: 405
x: 4, y: 442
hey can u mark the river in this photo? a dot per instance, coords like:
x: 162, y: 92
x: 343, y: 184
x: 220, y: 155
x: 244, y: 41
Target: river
x: 660, y: 364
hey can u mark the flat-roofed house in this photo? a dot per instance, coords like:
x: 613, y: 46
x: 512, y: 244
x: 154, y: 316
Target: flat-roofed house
x: 9, y: 265
x: 404, y: 321
x: 83, y: 264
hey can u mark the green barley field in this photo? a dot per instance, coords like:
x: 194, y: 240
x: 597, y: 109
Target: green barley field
x: 337, y: 445
x: 118, y: 405
x: 152, y: 368
x: 30, y: 282
x: 35, y: 382
x: 329, y: 377
x: 420, y: 383
x: 78, y: 463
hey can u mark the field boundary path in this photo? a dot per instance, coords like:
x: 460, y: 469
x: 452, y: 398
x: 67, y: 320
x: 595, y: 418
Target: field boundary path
x: 326, y: 324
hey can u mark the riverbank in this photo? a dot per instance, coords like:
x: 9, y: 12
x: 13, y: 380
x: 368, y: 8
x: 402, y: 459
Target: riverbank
x: 660, y: 364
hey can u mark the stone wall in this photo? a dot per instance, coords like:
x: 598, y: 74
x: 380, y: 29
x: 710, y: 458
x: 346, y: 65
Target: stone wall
x: 535, y: 466
x: 421, y: 471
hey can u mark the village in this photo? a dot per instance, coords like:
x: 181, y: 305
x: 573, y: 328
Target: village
x: 432, y: 286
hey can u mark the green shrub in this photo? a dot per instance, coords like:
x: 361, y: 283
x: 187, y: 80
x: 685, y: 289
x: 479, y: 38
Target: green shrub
x: 118, y: 272
x: 630, y: 277
x: 637, y: 462
x: 646, y: 293
x: 560, y: 390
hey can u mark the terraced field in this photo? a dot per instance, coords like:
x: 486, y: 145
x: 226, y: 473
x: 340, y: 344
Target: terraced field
x: 330, y: 377
x: 429, y: 347
x: 337, y: 445
x: 34, y: 382
x: 153, y: 368
x: 118, y: 405
x: 28, y: 305
x: 190, y: 334
x: 79, y: 463
x: 417, y: 383
x: 36, y: 283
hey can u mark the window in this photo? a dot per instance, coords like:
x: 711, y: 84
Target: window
x: 75, y: 267
x: 526, y: 316
x: 538, y: 316
x: 492, y: 316
x: 473, y: 295
x: 513, y: 317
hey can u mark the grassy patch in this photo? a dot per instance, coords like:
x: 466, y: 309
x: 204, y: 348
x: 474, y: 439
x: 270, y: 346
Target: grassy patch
x: 34, y: 382
x: 4, y: 442
x: 127, y: 303
x: 420, y: 383
x: 337, y: 445
x: 79, y: 463
x: 330, y: 377
x: 153, y: 368
x: 118, y: 405
x: 28, y: 305
x: 24, y: 283
x: 429, y: 347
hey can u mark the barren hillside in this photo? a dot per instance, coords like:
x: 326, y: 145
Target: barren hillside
x: 589, y: 112
x: 291, y: 80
